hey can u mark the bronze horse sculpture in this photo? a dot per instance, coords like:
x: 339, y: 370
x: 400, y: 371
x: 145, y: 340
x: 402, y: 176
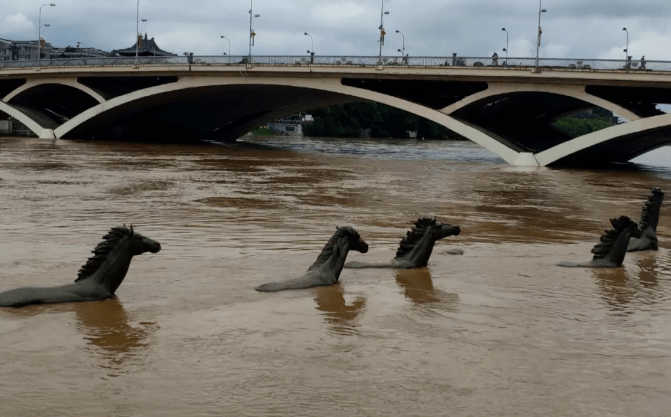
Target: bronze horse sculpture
x: 648, y: 223
x: 98, y: 279
x: 328, y: 266
x: 610, y: 251
x: 415, y: 249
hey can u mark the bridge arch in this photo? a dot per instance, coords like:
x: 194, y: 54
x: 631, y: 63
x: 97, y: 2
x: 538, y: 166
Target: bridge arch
x: 635, y: 138
x: 575, y: 91
x: 35, y: 127
x: 487, y: 140
x: 70, y: 82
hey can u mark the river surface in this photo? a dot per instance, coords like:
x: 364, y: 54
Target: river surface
x: 499, y: 331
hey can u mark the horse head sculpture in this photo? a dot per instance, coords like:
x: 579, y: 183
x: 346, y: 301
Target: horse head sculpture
x: 329, y: 264
x: 416, y: 247
x: 648, y: 223
x: 610, y: 251
x: 97, y: 279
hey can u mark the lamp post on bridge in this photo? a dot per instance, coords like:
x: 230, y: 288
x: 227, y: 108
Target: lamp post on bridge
x: 251, y: 31
x: 403, y: 51
x: 540, y: 32
x: 382, y: 32
x: 311, y: 51
x: 506, y: 50
x: 229, y: 47
x: 39, y: 33
x: 626, y: 51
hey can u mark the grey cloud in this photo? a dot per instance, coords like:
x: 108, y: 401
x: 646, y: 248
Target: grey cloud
x: 588, y: 28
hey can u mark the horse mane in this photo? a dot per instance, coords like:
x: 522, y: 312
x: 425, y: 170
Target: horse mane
x: 647, y: 214
x: 102, y: 251
x: 609, y: 237
x: 331, y: 245
x: 409, y: 242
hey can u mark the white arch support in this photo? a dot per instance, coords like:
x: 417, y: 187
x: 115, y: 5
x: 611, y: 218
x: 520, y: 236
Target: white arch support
x: 580, y: 143
x: 71, y: 82
x: 325, y: 84
x: 31, y: 124
x: 570, y: 90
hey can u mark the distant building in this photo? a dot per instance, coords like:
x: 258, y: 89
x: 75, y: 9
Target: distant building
x: 11, y: 50
x: 71, y: 52
x: 290, y: 125
x: 145, y: 47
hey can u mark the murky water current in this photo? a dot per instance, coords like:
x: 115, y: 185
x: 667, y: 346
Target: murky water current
x: 499, y: 331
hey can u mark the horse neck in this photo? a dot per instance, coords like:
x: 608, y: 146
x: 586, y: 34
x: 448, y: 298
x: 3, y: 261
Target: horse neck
x: 653, y: 214
x: 423, y: 248
x: 619, y: 248
x: 336, y: 260
x: 112, y: 272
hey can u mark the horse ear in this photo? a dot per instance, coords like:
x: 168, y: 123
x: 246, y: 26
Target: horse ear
x: 131, y: 230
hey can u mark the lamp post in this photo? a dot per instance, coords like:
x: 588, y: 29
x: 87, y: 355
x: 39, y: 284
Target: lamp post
x: 540, y: 32
x: 311, y: 51
x: 39, y: 33
x: 137, y: 30
x: 382, y: 32
x: 506, y: 50
x: 229, y: 47
x: 403, y: 51
x: 251, y: 31
x: 626, y: 51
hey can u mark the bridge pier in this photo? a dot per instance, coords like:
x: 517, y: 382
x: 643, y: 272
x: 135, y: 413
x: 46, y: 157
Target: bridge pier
x: 526, y: 159
x: 47, y: 134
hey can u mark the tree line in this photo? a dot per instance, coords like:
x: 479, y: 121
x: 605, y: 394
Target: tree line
x: 377, y: 120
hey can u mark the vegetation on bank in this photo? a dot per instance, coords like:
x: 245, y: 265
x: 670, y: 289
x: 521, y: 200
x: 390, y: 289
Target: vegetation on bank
x: 262, y: 131
x: 381, y: 121
x: 372, y: 119
x: 578, y: 127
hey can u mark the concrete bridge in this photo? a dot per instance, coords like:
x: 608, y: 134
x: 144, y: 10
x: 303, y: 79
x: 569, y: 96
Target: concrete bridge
x: 506, y: 109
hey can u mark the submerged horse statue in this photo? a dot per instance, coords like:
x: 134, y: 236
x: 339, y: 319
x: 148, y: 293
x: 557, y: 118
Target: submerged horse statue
x: 416, y: 247
x: 609, y: 253
x: 98, y: 279
x: 328, y: 266
x: 648, y: 223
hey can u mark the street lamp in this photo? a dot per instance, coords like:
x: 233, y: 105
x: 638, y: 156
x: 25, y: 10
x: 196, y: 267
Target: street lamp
x: 626, y: 51
x: 382, y: 32
x: 540, y: 32
x: 137, y: 30
x: 311, y: 51
x: 403, y: 51
x: 506, y: 50
x: 39, y: 33
x: 229, y: 47
x: 251, y: 31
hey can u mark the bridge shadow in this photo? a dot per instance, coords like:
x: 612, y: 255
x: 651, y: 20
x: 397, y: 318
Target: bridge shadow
x: 341, y: 317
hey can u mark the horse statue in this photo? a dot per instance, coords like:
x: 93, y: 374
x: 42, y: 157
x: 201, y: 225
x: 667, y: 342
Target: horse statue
x: 610, y: 251
x: 328, y: 266
x: 98, y: 279
x: 648, y: 223
x: 416, y: 247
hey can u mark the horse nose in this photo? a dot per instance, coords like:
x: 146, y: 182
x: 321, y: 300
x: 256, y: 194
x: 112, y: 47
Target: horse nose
x: 155, y: 247
x: 364, y: 247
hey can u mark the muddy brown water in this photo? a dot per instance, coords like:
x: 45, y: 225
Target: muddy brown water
x: 499, y: 331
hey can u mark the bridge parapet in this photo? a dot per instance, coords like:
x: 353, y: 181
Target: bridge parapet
x: 366, y: 61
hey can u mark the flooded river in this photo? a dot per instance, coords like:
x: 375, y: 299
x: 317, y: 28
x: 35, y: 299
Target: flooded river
x: 499, y: 331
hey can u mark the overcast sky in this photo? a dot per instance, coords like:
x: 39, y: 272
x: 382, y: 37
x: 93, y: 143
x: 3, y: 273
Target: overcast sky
x: 571, y: 28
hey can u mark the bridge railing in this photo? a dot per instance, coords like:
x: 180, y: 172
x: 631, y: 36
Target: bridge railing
x: 342, y: 60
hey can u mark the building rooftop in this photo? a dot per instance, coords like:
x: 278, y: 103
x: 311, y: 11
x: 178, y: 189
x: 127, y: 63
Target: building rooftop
x: 146, y: 47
